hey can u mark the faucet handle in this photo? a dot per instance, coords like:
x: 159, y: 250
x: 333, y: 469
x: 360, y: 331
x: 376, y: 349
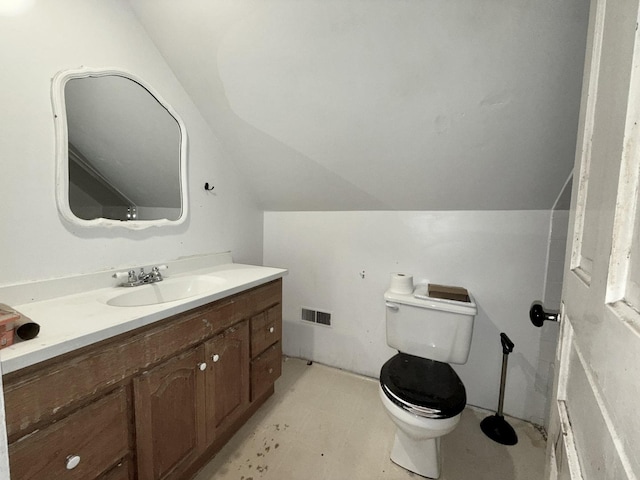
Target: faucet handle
x: 130, y: 275
x: 155, y: 272
x: 132, y: 278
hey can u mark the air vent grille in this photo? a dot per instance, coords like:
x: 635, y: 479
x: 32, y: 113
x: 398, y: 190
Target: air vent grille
x: 308, y: 315
x: 316, y: 316
x: 323, y: 318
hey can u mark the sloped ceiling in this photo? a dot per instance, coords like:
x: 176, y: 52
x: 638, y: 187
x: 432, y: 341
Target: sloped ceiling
x: 384, y: 104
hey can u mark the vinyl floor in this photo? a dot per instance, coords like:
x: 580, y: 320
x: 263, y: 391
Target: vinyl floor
x: 326, y: 424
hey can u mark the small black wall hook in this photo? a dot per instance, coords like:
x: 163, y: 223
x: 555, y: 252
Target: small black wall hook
x: 207, y: 188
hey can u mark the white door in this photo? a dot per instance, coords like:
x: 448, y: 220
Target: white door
x: 594, y: 431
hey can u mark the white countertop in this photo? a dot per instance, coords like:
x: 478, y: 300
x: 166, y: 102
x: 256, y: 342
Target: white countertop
x: 73, y: 321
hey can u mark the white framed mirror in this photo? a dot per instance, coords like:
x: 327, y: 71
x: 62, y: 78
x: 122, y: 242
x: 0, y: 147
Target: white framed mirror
x: 121, y: 151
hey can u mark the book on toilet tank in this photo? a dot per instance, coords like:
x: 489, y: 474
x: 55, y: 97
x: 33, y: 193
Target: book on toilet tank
x: 447, y: 292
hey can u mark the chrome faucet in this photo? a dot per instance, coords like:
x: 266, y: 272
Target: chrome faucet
x: 153, y: 276
x: 142, y: 278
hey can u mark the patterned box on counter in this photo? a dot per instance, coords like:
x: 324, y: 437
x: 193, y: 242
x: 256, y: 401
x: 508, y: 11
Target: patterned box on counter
x: 8, y: 318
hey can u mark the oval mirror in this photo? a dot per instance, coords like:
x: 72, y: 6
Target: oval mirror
x: 121, y: 151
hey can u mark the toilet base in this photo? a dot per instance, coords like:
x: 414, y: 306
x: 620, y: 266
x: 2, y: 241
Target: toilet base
x: 417, y: 456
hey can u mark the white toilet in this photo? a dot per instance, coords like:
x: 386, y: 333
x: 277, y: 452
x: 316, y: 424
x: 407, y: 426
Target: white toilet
x: 421, y: 393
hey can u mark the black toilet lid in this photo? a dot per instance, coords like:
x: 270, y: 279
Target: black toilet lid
x: 424, y: 387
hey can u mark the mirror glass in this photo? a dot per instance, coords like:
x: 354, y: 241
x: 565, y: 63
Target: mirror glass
x: 121, y: 151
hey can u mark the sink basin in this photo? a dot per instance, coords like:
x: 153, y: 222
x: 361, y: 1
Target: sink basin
x: 167, y: 291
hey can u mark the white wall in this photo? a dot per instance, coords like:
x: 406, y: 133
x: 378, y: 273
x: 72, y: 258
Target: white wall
x: 36, y: 242
x: 498, y: 255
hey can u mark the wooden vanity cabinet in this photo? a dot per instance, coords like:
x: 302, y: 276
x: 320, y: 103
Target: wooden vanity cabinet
x: 182, y: 404
x: 153, y: 404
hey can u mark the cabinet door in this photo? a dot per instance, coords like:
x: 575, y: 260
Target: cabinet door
x: 169, y: 407
x: 228, y: 378
x: 79, y: 447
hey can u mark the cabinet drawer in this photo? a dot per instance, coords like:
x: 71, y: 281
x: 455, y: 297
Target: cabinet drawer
x: 259, y: 299
x: 266, y: 329
x: 265, y: 370
x: 98, y: 434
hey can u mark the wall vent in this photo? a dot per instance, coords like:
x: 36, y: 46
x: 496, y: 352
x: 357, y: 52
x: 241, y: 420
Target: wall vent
x: 323, y: 318
x: 316, y: 316
x: 308, y: 315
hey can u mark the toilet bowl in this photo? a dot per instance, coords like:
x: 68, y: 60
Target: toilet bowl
x: 424, y: 399
x: 417, y: 441
x: 421, y: 393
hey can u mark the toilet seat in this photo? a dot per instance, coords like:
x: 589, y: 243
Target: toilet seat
x: 424, y: 387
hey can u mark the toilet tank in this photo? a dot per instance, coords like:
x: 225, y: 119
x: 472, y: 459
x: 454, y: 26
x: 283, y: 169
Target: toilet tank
x: 430, y: 327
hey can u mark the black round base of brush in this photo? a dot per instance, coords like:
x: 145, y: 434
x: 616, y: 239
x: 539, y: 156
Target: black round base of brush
x: 498, y: 429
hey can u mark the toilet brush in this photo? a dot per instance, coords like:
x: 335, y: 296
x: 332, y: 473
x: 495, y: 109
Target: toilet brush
x: 495, y: 426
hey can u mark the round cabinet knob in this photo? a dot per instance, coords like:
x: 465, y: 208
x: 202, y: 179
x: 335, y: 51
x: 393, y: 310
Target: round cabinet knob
x: 215, y: 357
x: 72, y: 461
x: 271, y: 329
x: 202, y: 366
x: 271, y: 370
